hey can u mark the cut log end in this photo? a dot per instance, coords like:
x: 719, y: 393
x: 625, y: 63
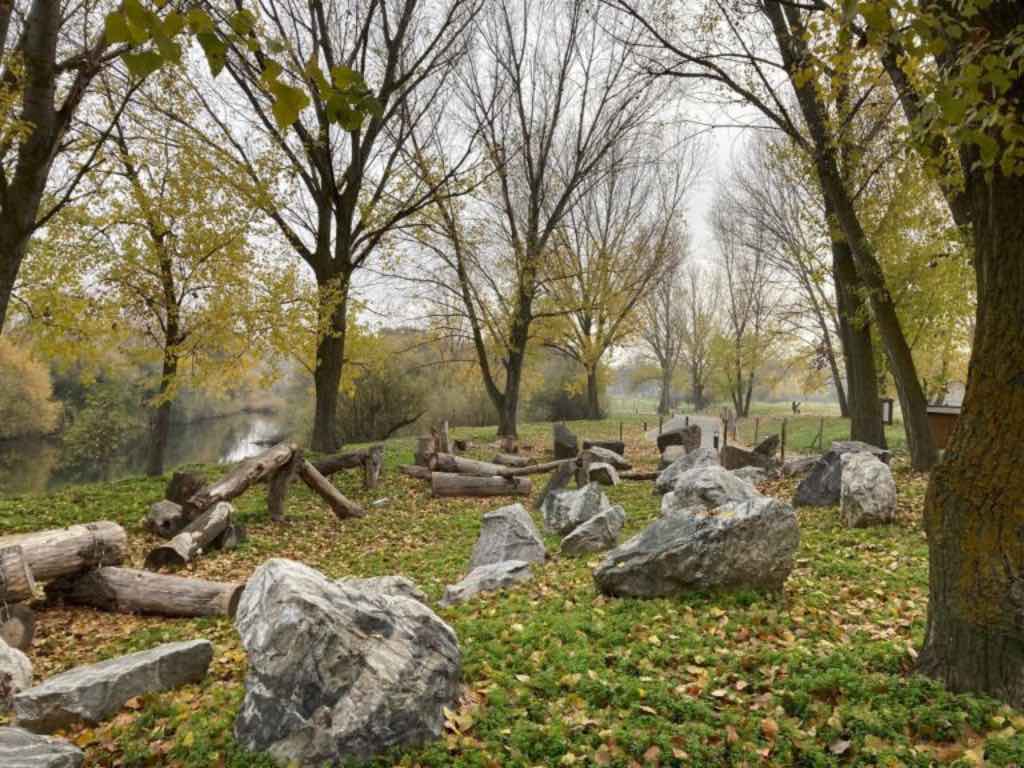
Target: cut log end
x: 17, y: 626
x: 16, y: 580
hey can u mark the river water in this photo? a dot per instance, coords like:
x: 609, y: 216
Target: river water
x: 34, y: 466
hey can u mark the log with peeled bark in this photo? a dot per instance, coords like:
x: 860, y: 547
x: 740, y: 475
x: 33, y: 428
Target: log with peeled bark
x: 372, y: 467
x: 459, y: 465
x: 449, y: 484
x: 347, y: 460
x: 63, y: 551
x: 639, y: 474
x: 197, y: 537
x: 17, y: 626
x: 415, y: 470
x: 510, y: 460
x: 239, y: 479
x: 278, y: 486
x: 16, y: 580
x: 320, y: 485
x: 126, y: 590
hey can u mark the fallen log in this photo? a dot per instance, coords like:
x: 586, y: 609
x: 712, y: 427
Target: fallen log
x: 346, y: 460
x: 279, y: 482
x: 126, y: 590
x: 320, y: 485
x: 449, y: 484
x: 64, y: 551
x: 17, y: 626
x: 536, y: 469
x: 239, y: 479
x: 638, y: 474
x: 459, y: 465
x: 510, y: 460
x: 415, y: 470
x: 197, y: 537
x: 16, y: 581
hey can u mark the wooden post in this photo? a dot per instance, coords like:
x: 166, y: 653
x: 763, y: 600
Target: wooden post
x: 686, y: 421
x: 372, y: 466
x: 725, y: 432
x: 279, y: 482
x: 443, y: 443
x: 757, y: 428
x: 782, y: 441
x: 660, y: 419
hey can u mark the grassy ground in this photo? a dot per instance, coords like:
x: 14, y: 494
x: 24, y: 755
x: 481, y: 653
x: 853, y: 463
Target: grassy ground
x: 556, y: 674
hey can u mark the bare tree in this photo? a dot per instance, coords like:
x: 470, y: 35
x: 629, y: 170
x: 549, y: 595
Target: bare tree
x: 701, y: 297
x: 550, y: 94
x: 617, y: 243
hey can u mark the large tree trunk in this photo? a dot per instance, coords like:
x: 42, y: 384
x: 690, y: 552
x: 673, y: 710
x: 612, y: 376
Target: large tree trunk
x: 126, y: 590
x: 70, y: 550
x: 593, y: 394
x: 12, y: 252
x: 330, y: 359
x: 158, y: 439
x: 974, y: 509
x: 665, y: 396
x: 858, y: 351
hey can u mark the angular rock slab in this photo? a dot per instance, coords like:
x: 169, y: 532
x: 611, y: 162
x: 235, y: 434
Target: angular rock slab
x: 688, y: 437
x: 615, y: 446
x: 822, y: 487
x: 606, y: 456
x: 389, y: 586
x: 564, y: 510
x: 734, y: 457
x: 487, y: 578
x: 769, y: 446
x: 603, y: 474
x: 706, y: 488
x: 15, y: 675
x: 706, y: 457
x: 566, y: 443
x: 599, y: 533
x: 507, y: 533
x: 868, y: 495
x: 335, y: 675
x: 22, y: 749
x: 95, y: 692
x: 750, y: 544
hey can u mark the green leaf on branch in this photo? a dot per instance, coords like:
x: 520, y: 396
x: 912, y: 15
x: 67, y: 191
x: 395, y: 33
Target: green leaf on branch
x: 216, y: 51
x: 143, y: 64
x: 288, y: 102
x: 116, y: 29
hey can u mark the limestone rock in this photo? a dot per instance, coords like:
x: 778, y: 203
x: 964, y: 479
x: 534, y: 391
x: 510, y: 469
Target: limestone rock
x: 752, y: 475
x: 823, y: 485
x: 705, y: 457
x: 93, y: 693
x: 22, y: 749
x: 749, y: 544
x: 602, y: 473
x: 688, y: 437
x: 868, y: 495
x: 507, y: 533
x: 597, y: 534
x: 706, y: 488
x: 15, y: 675
x: 566, y: 443
x: 769, y: 446
x: 799, y: 466
x: 734, y: 457
x: 672, y: 453
x: 605, y: 456
x: 389, y: 586
x: 336, y: 676
x: 564, y: 510
x: 487, y: 578
x: 558, y: 481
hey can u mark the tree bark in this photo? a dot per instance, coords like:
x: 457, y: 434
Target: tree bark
x: 426, y: 446
x: 665, y: 396
x: 238, y: 480
x: 126, y: 590
x: 330, y: 358
x: 64, y: 551
x: 197, y: 537
x: 18, y: 626
x: 279, y: 482
x: 16, y: 581
x: 370, y: 459
x: 593, y: 399
x: 320, y: 485
x: 447, y: 462
x: 415, y: 470
x: 974, y: 508
x: 447, y: 484
x: 510, y: 460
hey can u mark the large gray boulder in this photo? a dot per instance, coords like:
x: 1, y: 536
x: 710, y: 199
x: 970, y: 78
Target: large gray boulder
x: 22, y: 749
x: 335, y: 676
x: 390, y: 586
x: 823, y: 485
x: 706, y: 488
x: 93, y: 693
x: 564, y: 510
x: 487, y: 578
x: 688, y: 437
x: 606, y: 456
x: 566, y: 443
x: 507, y: 533
x: 749, y: 544
x: 597, y: 534
x: 705, y: 457
x: 15, y: 675
x: 868, y: 495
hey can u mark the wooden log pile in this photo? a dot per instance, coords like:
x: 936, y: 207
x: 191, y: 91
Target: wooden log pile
x: 370, y: 460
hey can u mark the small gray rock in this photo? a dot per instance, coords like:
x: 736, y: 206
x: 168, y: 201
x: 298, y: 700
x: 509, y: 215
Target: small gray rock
x: 564, y: 510
x: 487, y: 578
x: 15, y: 675
x: 93, y: 693
x: 706, y: 488
x: 22, y: 749
x: 749, y: 544
x: 335, y: 675
x: 389, y: 586
x: 868, y: 494
x: 606, y: 456
x: 507, y: 533
x: 603, y: 474
x: 597, y: 534
x: 705, y: 457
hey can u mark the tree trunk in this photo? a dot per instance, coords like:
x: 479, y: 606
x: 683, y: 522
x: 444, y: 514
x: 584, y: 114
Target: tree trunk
x: 239, y: 479
x: 16, y: 581
x: 593, y: 399
x: 125, y: 590
x: 197, y: 537
x: 330, y: 359
x: 64, y: 551
x: 864, y: 405
x: 158, y: 439
x: 974, y: 509
x: 320, y: 485
x: 12, y: 252
x: 697, y: 389
x: 447, y: 484
x: 665, y: 397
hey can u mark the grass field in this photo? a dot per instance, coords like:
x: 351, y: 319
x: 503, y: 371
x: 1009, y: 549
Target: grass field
x: 555, y: 674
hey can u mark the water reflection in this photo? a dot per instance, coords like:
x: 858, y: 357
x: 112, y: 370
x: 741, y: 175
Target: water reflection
x: 33, y: 466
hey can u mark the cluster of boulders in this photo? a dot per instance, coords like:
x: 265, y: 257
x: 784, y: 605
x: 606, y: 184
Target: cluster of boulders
x: 716, y: 531
x: 857, y: 477
x: 88, y: 695
x: 584, y: 518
